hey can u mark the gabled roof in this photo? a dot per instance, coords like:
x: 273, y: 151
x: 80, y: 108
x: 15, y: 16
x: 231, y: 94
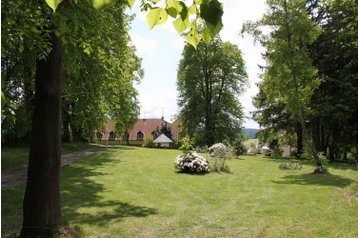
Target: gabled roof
x: 109, y: 128
x: 162, y: 139
x: 146, y: 126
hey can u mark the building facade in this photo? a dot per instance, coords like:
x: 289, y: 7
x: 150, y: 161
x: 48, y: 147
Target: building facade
x: 143, y: 128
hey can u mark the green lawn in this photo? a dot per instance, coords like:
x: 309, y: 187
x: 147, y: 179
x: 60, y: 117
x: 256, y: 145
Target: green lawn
x: 15, y: 157
x: 135, y: 192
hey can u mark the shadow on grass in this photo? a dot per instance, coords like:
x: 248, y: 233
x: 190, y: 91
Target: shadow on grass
x: 79, y: 189
x: 334, y: 165
x: 83, y: 198
x: 315, y: 179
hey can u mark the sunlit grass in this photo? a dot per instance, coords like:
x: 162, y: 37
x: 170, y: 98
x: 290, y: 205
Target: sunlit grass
x: 135, y: 192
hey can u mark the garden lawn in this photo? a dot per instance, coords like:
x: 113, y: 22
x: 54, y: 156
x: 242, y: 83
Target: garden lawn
x: 135, y: 192
x: 16, y: 157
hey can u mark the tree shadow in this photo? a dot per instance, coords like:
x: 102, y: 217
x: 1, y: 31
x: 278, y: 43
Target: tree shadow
x: 82, y: 196
x: 315, y: 179
x: 341, y: 165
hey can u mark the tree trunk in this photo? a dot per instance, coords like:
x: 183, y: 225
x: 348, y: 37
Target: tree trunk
x: 299, y: 139
x: 41, y: 207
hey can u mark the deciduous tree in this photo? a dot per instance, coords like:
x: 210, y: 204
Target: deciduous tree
x: 210, y: 79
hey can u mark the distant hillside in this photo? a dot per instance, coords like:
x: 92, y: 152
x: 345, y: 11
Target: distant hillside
x: 251, y: 132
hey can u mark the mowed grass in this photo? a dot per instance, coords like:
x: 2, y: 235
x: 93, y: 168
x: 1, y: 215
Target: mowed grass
x: 17, y: 157
x: 135, y: 192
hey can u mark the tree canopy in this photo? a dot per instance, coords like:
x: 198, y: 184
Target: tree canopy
x: 210, y: 79
x: 311, y: 75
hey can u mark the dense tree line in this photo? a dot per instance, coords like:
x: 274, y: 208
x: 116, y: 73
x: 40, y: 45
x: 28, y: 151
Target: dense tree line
x: 323, y: 34
x: 100, y: 68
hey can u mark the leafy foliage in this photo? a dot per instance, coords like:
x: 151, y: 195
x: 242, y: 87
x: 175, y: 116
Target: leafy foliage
x: 206, y: 13
x: 289, y: 77
x: 185, y: 145
x: 148, y: 141
x: 290, y: 166
x: 210, y: 79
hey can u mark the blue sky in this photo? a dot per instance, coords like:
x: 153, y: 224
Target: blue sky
x: 161, y: 48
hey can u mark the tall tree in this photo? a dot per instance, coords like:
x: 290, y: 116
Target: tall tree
x: 289, y: 75
x: 334, y: 104
x: 210, y: 79
x: 274, y: 118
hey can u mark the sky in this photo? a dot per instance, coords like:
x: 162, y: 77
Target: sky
x: 161, y: 48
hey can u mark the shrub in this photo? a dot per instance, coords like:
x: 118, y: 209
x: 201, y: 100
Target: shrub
x: 148, y: 142
x: 218, y: 150
x: 185, y: 145
x: 219, y: 154
x: 192, y: 163
x: 239, y: 148
x: 201, y: 149
x: 290, y: 166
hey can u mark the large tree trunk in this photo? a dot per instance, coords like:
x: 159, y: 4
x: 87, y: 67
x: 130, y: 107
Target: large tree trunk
x: 41, y: 207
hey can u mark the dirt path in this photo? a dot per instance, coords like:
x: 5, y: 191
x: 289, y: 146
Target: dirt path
x: 14, y: 177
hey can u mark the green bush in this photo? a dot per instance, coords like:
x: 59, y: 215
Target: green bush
x: 148, y: 142
x: 185, y: 145
x: 290, y: 166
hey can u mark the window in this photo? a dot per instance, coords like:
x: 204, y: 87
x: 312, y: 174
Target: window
x: 140, y: 136
x: 112, y: 136
x: 99, y: 135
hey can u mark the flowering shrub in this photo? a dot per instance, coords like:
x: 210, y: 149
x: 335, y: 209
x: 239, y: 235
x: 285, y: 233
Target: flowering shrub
x: 219, y: 153
x: 218, y: 150
x: 192, y: 163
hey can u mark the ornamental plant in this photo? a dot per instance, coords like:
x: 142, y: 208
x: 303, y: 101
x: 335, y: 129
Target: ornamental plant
x: 219, y: 154
x: 192, y: 163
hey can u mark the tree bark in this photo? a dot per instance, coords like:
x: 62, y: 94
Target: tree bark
x: 41, y: 207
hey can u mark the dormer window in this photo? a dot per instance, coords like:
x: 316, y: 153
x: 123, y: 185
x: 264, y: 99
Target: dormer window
x: 99, y: 135
x: 112, y: 135
x: 140, y: 136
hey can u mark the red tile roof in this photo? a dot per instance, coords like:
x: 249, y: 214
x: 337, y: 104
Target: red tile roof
x: 144, y: 125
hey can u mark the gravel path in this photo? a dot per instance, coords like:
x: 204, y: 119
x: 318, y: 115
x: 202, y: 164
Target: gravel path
x: 14, y: 177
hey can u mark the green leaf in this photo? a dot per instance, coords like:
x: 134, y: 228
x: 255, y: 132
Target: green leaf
x: 131, y: 2
x: 193, y: 36
x: 192, y: 10
x: 214, y: 29
x: 53, y: 3
x: 184, y: 11
x: 206, y: 35
x: 211, y: 12
x: 98, y: 4
x: 156, y: 16
x: 198, y: 2
x: 173, y: 8
x: 181, y: 25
